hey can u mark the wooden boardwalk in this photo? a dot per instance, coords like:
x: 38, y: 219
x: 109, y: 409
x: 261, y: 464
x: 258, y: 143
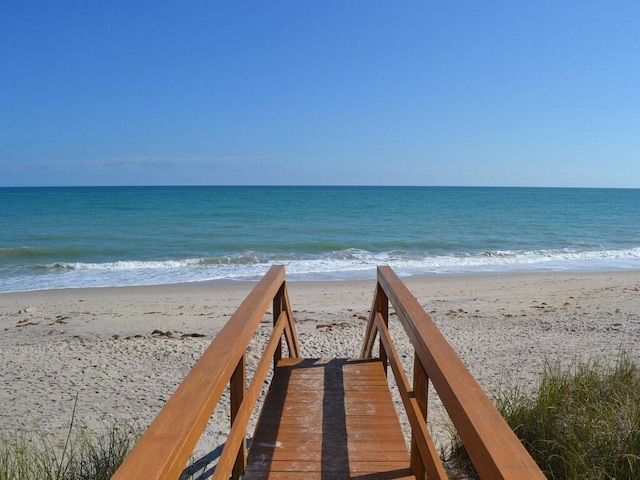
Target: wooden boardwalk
x: 331, y: 418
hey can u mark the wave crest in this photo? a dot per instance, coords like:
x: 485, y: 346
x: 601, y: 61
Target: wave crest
x: 337, y: 265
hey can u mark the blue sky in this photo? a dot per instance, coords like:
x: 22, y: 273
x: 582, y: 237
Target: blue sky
x: 543, y: 93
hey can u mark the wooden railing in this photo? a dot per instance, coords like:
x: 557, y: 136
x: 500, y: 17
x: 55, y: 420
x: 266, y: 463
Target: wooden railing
x: 494, y: 449
x: 166, y: 446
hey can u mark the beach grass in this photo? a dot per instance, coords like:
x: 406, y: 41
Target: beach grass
x: 582, y: 422
x: 85, y: 454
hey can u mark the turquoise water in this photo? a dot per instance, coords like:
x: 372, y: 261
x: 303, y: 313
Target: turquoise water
x: 106, y: 236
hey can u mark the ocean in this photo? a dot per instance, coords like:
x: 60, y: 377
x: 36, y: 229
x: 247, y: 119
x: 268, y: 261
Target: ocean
x: 122, y: 236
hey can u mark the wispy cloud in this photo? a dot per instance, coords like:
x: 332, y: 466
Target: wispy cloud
x: 151, y: 161
x: 146, y: 170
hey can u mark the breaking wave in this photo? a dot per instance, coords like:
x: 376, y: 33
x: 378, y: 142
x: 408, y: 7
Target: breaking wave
x: 347, y: 264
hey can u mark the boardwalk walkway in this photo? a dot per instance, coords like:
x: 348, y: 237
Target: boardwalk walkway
x: 331, y: 418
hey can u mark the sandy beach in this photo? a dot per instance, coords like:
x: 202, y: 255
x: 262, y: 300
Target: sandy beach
x: 123, y: 351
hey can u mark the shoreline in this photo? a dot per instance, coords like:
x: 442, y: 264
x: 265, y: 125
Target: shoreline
x: 100, y: 343
x: 224, y: 283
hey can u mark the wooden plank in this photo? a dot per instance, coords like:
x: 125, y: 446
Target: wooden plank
x: 320, y: 417
x: 356, y: 401
x: 304, y: 385
x: 310, y: 423
x: 401, y: 474
x: 393, y: 439
x: 358, y: 434
x: 330, y: 467
x: 313, y: 442
x: 301, y: 453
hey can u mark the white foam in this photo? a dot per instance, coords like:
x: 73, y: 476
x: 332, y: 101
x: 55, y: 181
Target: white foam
x: 342, y: 265
x: 128, y: 265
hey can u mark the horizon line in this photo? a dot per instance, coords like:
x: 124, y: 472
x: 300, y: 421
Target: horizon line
x: 266, y: 185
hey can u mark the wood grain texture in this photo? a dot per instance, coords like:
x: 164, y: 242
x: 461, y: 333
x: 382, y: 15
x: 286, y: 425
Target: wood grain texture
x: 167, y: 444
x: 333, y: 418
x: 330, y: 418
x: 494, y: 449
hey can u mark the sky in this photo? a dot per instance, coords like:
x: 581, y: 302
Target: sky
x: 510, y: 93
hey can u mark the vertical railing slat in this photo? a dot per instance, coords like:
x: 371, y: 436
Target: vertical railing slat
x: 238, y: 387
x: 370, y: 333
x: 277, y: 310
x: 383, y: 309
x: 290, y: 332
x: 420, y: 392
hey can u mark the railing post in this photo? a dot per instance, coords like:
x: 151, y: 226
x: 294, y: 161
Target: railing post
x: 383, y: 308
x: 420, y: 392
x: 238, y: 385
x: 278, y: 304
x: 290, y: 333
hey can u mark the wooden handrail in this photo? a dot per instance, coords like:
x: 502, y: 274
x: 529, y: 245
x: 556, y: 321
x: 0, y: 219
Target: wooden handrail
x: 167, y: 444
x: 423, y: 442
x: 494, y: 449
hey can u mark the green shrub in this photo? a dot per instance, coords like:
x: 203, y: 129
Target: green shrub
x: 583, y: 422
x: 85, y: 454
x: 100, y: 455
